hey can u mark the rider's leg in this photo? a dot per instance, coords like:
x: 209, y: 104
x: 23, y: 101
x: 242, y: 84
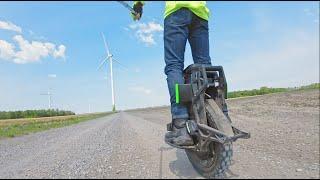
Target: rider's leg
x: 199, y: 40
x: 176, y: 33
x: 175, y: 37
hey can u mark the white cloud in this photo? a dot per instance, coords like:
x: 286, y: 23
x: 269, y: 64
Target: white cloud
x: 60, y: 53
x: 140, y: 89
x: 6, y: 50
x: 36, y: 36
x: 10, y: 26
x: 145, y: 31
x: 29, y: 51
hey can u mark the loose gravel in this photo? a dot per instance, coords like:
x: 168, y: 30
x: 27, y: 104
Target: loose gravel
x: 284, y: 144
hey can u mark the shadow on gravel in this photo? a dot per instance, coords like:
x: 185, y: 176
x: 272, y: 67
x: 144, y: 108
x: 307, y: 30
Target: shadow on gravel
x: 181, y: 167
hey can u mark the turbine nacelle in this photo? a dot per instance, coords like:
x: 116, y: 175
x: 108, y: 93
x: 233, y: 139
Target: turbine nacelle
x: 109, y: 56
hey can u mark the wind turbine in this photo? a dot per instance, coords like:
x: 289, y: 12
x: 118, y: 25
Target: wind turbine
x: 49, y: 94
x: 111, y: 59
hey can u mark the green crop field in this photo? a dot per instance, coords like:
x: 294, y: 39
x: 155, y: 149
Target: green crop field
x: 17, y: 127
x: 34, y: 113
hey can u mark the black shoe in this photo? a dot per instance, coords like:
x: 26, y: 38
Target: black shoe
x: 179, y: 136
x: 183, y: 138
x: 176, y: 125
x: 171, y: 134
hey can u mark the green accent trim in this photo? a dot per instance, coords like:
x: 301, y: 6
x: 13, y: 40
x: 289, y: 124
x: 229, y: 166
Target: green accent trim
x: 177, y: 94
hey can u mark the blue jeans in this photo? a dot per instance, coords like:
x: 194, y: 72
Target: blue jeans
x: 179, y: 27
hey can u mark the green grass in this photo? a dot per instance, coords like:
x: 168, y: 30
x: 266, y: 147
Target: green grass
x: 16, y: 129
x: 34, y: 113
x: 267, y: 90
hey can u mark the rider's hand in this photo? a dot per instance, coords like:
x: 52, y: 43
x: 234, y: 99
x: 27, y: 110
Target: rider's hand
x: 137, y: 7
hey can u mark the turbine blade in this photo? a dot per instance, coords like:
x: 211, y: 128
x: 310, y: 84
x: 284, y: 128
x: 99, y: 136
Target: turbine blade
x: 102, y: 63
x: 105, y: 45
x: 125, y: 67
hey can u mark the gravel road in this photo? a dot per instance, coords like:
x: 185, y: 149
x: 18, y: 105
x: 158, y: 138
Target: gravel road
x: 284, y: 144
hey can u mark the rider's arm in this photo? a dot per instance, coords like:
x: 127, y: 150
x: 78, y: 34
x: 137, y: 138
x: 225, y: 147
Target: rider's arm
x: 137, y: 7
x: 136, y: 2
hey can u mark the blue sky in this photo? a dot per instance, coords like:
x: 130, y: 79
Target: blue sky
x: 259, y: 44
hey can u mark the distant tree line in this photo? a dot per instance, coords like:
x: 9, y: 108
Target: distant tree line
x: 267, y: 90
x: 311, y: 86
x: 34, y: 113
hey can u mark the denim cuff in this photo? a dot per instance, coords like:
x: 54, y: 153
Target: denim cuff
x: 179, y: 111
x: 182, y: 116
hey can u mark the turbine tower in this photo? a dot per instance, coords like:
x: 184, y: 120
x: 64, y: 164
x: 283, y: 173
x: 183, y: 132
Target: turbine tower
x: 111, y: 59
x: 49, y: 94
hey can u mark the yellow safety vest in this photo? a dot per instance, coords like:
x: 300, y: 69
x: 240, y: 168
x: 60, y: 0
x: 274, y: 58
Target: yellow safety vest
x: 199, y: 8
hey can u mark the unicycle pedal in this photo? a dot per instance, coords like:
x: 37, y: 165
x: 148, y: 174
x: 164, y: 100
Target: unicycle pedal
x: 192, y: 128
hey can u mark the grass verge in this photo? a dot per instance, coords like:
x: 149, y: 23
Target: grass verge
x: 267, y: 90
x: 18, y: 127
